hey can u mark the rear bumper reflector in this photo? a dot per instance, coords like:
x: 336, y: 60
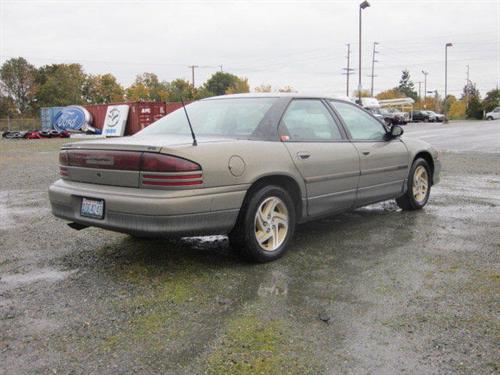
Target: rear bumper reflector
x: 172, y: 183
x: 177, y: 177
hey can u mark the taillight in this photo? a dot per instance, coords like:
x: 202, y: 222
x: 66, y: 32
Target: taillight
x: 158, y: 169
x: 63, y: 158
x: 167, y: 163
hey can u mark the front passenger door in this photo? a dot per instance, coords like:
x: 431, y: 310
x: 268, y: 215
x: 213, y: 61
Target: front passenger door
x: 384, y: 163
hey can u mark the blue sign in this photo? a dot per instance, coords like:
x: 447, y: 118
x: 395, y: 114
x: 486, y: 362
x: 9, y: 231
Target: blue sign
x: 70, y: 119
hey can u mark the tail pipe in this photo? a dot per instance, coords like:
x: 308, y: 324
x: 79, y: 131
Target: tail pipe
x: 77, y: 226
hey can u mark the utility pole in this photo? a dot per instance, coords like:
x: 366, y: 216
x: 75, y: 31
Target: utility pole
x: 348, y: 70
x: 425, y: 87
x: 373, y: 65
x: 467, y: 87
x: 192, y: 67
x: 220, y: 66
x: 446, y: 46
x: 419, y: 93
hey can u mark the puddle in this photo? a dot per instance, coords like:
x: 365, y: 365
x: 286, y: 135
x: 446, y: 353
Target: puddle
x: 47, y: 275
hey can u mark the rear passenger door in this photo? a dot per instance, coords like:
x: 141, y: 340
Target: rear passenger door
x: 327, y: 161
x: 384, y: 162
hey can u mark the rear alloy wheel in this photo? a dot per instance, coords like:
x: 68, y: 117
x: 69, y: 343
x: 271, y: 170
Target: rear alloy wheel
x: 265, y: 225
x: 419, y: 187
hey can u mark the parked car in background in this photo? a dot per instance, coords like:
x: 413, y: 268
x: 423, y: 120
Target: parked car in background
x: 396, y: 117
x: 260, y: 164
x: 378, y: 115
x: 493, y: 115
x: 439, y: 117
x: 420, y: 116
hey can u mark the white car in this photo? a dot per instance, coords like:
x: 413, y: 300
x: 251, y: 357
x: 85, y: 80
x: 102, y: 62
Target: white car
x: 493, y: 115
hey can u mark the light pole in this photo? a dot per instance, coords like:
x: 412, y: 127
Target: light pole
x: 363, y: 5
x: 425, y: 87
x: 446, y: 80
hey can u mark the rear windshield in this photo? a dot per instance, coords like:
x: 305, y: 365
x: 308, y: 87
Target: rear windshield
x: 237, y: 117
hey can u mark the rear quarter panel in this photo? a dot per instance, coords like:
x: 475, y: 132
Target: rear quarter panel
x: 261, y: 158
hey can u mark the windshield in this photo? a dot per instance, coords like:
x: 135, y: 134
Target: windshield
x: 237, y: 117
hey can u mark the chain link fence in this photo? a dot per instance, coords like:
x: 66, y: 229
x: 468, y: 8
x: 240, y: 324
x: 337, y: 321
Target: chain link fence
x: 11, y: 124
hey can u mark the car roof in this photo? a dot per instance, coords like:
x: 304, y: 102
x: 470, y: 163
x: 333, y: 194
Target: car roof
x: 276, y: 95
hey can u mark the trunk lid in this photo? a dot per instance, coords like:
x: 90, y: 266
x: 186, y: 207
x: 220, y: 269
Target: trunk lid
x: 96, y: 159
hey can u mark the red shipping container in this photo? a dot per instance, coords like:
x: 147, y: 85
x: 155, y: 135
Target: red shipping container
x: 140, y: 114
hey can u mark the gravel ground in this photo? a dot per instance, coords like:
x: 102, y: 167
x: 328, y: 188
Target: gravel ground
x: 376, y: 290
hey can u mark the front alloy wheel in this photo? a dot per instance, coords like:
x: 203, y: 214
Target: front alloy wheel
x: 420, y: 184
x: 418, y: 188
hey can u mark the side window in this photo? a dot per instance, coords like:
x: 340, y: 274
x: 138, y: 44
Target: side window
x: 359, y: 123
x: 309, y: 120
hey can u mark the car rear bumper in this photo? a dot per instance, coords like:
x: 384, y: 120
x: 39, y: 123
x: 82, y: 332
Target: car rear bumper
x: 148, y: 212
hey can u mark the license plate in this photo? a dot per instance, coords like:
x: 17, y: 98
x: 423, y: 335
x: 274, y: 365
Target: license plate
x: 93, y: 208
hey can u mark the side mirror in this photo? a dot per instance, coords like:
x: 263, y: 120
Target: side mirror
x: 396, y: 131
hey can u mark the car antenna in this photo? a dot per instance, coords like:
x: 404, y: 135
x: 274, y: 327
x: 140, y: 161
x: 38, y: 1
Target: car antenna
x: 189, y: 122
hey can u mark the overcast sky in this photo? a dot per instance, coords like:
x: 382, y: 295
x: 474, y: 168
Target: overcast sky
x: 296, y: 43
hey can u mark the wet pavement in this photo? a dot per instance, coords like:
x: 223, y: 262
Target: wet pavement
x: 376, y: 290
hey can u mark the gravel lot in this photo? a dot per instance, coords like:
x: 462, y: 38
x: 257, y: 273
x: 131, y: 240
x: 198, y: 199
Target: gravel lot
x: 376, y: 290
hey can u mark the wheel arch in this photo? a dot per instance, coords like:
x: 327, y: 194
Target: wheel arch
x: 286, y: 182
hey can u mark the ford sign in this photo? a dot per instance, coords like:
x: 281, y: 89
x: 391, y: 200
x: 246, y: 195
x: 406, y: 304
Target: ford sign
x: 72, y: 119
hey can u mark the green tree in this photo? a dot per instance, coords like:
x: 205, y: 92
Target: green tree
x: 147, y: 86
x: 406, y: 85
x: 473, y: 99
x: 60, y: 85
x: 219, y: 82
x: 18, y: 81
x: 102, y: 89
x: 491, y: 100
x: 181, y: 88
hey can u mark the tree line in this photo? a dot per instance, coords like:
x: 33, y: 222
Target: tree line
x: 468, y: 105
x: 24, y: 89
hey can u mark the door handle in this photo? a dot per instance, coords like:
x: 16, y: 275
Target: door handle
x: 366, y: 153
x: 304, y: 155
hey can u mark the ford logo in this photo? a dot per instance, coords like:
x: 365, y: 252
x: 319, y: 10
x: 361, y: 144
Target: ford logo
x: 72, y: 118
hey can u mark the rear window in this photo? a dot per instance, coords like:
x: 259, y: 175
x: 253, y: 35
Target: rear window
x: 237, y: 117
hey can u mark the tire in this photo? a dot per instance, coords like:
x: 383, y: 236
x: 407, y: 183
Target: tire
x: 281, y: 225
x: 412, y: 200
x: 489, y: 118
x: 426, y: 119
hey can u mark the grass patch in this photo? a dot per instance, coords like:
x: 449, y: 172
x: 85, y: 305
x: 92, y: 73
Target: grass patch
x: 257, y: 346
